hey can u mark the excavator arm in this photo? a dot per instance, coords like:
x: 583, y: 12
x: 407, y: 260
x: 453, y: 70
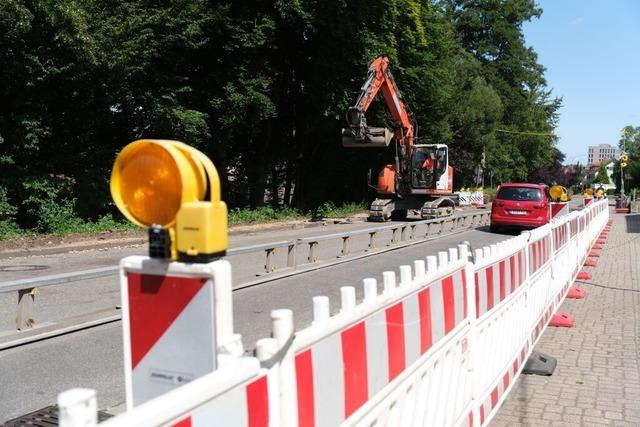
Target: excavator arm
x: 358, y: 134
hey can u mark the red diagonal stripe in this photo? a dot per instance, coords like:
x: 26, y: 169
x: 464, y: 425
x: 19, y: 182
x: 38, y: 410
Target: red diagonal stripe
x: 354, y: 358
x: 502, y: 281
x: 424, y: 305
x: 155, y: 302
x: 512, y: 271
x: 464, y: 290
x: 489, y: 275
x: 449, y: 304
x: 494, y: 398
x: 395, y: 339
x: 258, y: 403
x: 304, y: 384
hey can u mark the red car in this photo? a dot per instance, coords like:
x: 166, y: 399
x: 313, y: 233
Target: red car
x: 520, y: 205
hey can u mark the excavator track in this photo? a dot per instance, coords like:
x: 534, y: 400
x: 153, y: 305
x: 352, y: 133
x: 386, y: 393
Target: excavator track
x: 437, y: 208
x: 381, y: 210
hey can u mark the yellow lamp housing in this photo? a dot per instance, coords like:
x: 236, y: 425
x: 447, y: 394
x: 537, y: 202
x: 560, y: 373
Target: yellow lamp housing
x: 624, y: 158
x: 558, y: 192
x: 162, y: 184
x: 600, y: 192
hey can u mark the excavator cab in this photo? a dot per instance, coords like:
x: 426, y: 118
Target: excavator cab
x: 428, y: 165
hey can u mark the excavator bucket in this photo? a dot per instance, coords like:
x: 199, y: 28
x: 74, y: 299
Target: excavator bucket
x: 373, y: 137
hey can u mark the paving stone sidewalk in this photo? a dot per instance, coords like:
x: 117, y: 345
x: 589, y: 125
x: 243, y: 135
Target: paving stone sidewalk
x: 597, y: 380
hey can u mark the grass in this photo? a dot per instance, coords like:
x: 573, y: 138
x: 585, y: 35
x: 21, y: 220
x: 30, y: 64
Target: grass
x: 65, y: 225
x: 76, y: 226
x: 330, y: 210
x: 262, y: 214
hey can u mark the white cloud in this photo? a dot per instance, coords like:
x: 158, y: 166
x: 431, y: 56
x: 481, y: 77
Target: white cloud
x: 577, y: 21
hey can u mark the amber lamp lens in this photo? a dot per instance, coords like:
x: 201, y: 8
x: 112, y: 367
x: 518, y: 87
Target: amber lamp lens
x: 150, y: 185
x: 556, y: 191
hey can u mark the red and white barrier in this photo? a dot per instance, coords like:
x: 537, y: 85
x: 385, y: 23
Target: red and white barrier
x: 347, y: 365
x: 441, y: 346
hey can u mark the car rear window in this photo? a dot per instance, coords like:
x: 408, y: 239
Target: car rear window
x: 520, y: 193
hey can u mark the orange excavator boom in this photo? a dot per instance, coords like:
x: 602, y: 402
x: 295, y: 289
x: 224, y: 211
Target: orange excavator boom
x: 379, y: 78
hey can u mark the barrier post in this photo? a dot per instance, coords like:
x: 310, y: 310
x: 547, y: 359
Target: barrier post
x: 78, y: 407
x: 283, y: 333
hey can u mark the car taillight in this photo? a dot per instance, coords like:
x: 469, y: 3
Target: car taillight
x: 539, y: 206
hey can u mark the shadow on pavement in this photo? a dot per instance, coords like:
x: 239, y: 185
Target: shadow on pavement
x: 633, y: 223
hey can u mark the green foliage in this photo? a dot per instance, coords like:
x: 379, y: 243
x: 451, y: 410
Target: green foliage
x: 330, y: 210
x: 602, y: 177
x: 262, y: 88
x: 262, y: 214
x: 8, y: 226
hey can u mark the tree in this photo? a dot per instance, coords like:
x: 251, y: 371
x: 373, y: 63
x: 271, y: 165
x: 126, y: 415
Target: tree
x: 630, y: 144
x: 601, y: 176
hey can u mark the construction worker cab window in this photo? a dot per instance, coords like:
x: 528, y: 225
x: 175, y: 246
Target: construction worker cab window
x: 429, y: 164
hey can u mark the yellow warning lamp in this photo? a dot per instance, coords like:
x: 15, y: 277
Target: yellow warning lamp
x: 162, y: 185
x: 588, y: 193
x: 558, y: 193
x: 600, y: 192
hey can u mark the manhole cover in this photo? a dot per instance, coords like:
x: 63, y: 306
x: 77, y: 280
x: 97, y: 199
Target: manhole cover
x: 23, y: 267
x: 45, y: 417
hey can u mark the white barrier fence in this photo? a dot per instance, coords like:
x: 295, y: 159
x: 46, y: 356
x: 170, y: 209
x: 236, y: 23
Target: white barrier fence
x: 441, y: 345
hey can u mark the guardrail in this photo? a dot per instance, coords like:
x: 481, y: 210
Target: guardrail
x: 400, y: 234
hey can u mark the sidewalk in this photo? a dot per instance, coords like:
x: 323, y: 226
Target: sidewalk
x: 597, y: 380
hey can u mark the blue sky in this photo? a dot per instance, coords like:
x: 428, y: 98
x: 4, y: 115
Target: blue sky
x: 591, y: 50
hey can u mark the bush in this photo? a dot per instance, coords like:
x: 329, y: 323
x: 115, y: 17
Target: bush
x: 49, y: 206
x: 8, y: 226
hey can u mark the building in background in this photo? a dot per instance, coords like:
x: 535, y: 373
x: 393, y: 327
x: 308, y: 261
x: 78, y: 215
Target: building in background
x: 602, y: 153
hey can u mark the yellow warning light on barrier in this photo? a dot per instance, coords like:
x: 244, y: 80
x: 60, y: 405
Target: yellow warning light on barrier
x: 600, y: 192
x: 162, y: 184
x: 557, y: 193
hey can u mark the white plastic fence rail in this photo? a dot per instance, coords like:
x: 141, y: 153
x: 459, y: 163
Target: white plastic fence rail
x: 441, y: 343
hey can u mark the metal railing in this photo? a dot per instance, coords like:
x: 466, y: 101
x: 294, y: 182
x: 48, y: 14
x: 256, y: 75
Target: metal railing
x: 399, y: 235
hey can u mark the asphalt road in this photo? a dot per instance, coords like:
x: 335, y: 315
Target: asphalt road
x: 33, y: 375
x: 79, y: 298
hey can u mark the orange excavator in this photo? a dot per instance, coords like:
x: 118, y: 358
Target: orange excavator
x: 421, y: 178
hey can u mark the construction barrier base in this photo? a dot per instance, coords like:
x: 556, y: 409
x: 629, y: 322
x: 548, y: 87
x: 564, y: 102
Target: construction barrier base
x: 584, y: 275
x: 540, y: 364
x: 562, y: 320
x: 623, y: 210
x: 590, y: 262
x: 576, y: 293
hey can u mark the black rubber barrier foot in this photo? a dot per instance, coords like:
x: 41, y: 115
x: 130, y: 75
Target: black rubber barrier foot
x: 539, y: 364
